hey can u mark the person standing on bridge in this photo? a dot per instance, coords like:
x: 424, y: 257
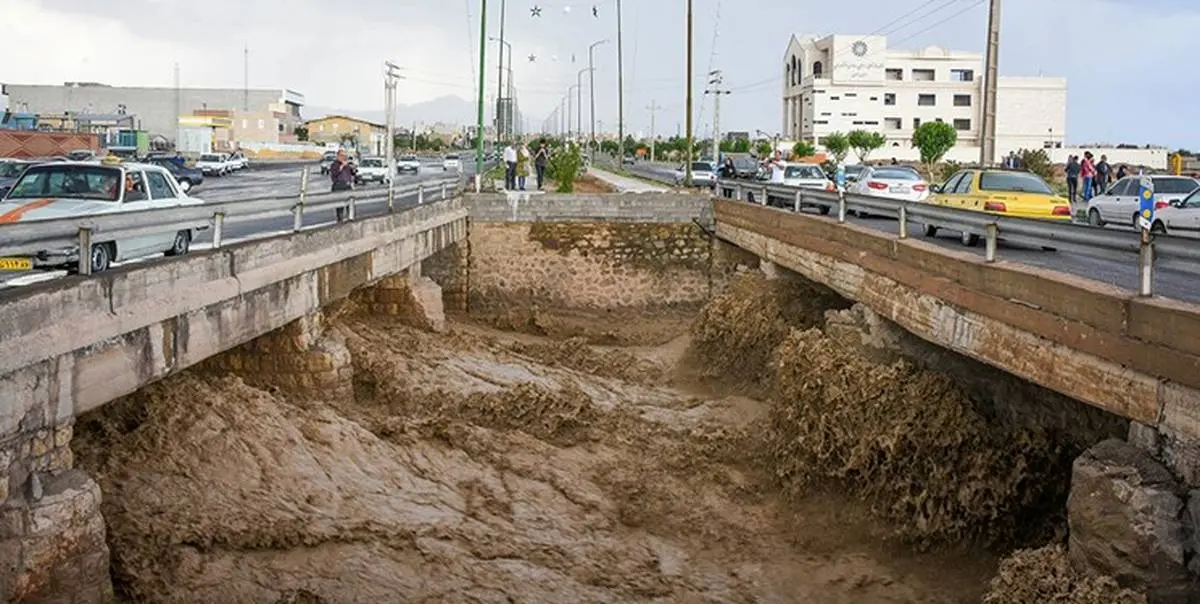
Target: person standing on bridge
x: 1072, y: 171
x: 342, y: 174
x: 510, y: 167
x: 539, y: 163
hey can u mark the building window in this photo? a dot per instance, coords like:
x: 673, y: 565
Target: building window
x: 962, y: 75
x: 874, y: 98
x: 889, y: 98
x: 871, y: 123
x: 893, y: 74
x: 835, y: 98
x: 937, y: 119
x: 916, y: 123
x: 821, y: 122
x: 849, y: 115
x: 850, y: 94
x: 892, y: 123
x: 922, y: 75
x: 962, y: 100
x: 926, y: 100
x: 962, y: 124
x: 825, y: 114
x: 817, y: 69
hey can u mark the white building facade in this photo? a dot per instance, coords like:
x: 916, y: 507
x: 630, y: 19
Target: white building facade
x: 840, y: 83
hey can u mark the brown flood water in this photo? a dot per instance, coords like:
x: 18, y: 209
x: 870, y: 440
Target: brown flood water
x: 483, y: 466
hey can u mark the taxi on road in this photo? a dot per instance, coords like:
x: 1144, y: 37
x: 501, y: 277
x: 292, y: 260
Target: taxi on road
x: 81, y: 189
x: 1001, y: 192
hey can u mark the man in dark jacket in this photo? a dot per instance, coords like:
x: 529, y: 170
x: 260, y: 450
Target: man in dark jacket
x: 342, y: 174
x: 1103, y: 175
x: 1072, y: 177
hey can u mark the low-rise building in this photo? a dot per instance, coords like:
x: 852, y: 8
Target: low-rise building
x: 369, y: 138
x: 839, y: 83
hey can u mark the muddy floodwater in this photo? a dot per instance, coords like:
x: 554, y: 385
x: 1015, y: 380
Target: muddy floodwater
x: 487, y: 465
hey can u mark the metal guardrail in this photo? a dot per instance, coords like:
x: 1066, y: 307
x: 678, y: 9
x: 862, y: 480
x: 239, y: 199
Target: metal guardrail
x: 1176, y: 253
x: 29, y: 238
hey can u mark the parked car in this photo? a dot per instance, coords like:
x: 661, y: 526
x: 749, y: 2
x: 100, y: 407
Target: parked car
x: 704, y: 174
x: 188, y: 178
x: 327, y: 160
x: 408, y: 163
x: 372, y: 169
x: 79, y: 189
x: 891, y: 182
x: 1120, y: 204
x: 10, y: 171
x: 214, y: 164
x: 451, y: 162
x: 1181, y: 215
x: 808, y: 176
x: 998, y: 191
x: 238, y: 161
x: 745, y: 167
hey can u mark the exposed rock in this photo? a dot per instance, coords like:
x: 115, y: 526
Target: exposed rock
x: 1124, y: 514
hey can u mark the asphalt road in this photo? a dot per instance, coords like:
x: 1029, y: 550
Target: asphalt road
x: 268, y: 181
x: 1113, y: 268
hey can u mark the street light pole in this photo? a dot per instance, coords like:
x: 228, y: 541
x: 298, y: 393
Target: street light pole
x: 479, y: 109
x: 987, y: 151
x: 572, y: 87
x: 579, y: 100
x: 390, y: 79
x: 688, y: 166
x: 620, y: 90
x: 592, y: 94
x: 500, y: 74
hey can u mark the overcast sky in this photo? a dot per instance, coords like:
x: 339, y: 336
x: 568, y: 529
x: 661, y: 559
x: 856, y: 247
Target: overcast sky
x: 1130, y: 64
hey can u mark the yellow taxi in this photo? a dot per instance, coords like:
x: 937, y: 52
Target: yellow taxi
x: 1001, y: 192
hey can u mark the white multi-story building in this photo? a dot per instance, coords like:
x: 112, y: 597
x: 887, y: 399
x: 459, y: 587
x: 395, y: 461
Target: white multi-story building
x: 840, y: 83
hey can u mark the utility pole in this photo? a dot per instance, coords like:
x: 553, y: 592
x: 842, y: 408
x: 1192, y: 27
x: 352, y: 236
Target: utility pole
x: 246, y: 78
x: 592, y: 94
x: 715, y: 80
x: 569, y: 133
x: 579, y: 100
x: 688, y: 166
x: 620, y: 90
x: 479, y: 109
x: 500, y: 75
x: 390, y: 80
x: 987, y: 151
x: 654, y: 109
x: 178, y: 105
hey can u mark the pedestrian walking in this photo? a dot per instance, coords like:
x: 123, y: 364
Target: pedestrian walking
x: 510, y: 167
x: 1087, y: 170
x: 539, y: 163
x: 342, y: 174
x: 523, y: 161
x: 1072, y: 171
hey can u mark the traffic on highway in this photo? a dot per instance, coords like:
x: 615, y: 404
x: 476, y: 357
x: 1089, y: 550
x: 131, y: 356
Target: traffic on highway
x: 92, y: 188
x: 1060, y: 237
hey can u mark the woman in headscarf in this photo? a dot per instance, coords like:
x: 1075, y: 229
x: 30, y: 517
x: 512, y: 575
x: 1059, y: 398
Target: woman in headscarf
x: 523, y: 159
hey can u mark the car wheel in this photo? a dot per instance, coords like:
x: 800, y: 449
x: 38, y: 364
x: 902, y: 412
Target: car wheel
x: 1094, y: 218
x: 185, y: 185
x: 930, y: 230
x: 181, y: 245
x: 970, y: 239
x: 102, y: 256
x: 1158, y: 228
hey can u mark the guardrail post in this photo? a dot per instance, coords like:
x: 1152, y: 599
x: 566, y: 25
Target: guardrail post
x: 1146, y: 266
x: 764, y: 196
x: 298, y: 209
x: 443, y: 190
x: 904, y: 221
x: 350, y: 211
x: 841, y: 206
x: 796, y: 202
x: 218, y: 229
x: 420, y: 194
x: 85, y: 251
x: 990, y: 236
x: 737, y: 191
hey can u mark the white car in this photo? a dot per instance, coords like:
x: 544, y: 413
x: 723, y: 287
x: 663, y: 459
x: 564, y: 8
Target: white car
x: 214, y: 164
x: 451, y: 162
x: 1182, y: 215
x: 81, y: 189
x: 238, y: 161
x: 408, y: 163
x: 373, y: 169
x: 1120, y: 205
x: 704, y: 174
x: 808, y: 176
x: 892, y: 182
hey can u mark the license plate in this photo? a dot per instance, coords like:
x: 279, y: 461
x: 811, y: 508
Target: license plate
x: 899, y: 189
x: 16, y: 264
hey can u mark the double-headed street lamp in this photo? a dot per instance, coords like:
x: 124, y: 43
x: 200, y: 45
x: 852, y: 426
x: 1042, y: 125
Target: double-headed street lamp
x: 579, y: 99
x: 592, y: 92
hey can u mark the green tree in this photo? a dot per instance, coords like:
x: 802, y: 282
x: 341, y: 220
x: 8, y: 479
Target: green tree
x: 763, y: 148
x: 803, y: 149
x: 1036, y: 161
x: 611, y: 147
x: 301, y: 133
x: 934, y: 139
x: 838, y: 145
x: 563, y: 167
x: 864, y: 142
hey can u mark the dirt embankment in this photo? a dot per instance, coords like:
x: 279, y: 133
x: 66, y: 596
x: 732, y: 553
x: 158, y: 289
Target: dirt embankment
x: 491, y: 466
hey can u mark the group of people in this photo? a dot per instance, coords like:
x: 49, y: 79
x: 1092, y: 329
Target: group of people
x: 516, y: 165
x: 1095, y: 176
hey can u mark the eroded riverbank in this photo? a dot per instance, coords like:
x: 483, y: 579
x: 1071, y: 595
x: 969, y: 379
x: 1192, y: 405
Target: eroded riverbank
x: 573, y: 458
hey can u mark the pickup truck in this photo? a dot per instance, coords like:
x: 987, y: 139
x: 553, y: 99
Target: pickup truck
x: 408, y: 163
x: 373, y: 169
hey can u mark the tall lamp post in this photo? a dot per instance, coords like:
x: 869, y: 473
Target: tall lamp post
x: 390, y: 79
x: 620, y: 90
x: 479, y: 109
x: 500, y: 70
x: 688, y: 166
x: 570, y: 133
x: 504, y: 89
x: 592, y: 94
x: 579, y: 100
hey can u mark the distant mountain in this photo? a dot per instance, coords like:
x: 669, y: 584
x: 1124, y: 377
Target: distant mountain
x: 448, y: 109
